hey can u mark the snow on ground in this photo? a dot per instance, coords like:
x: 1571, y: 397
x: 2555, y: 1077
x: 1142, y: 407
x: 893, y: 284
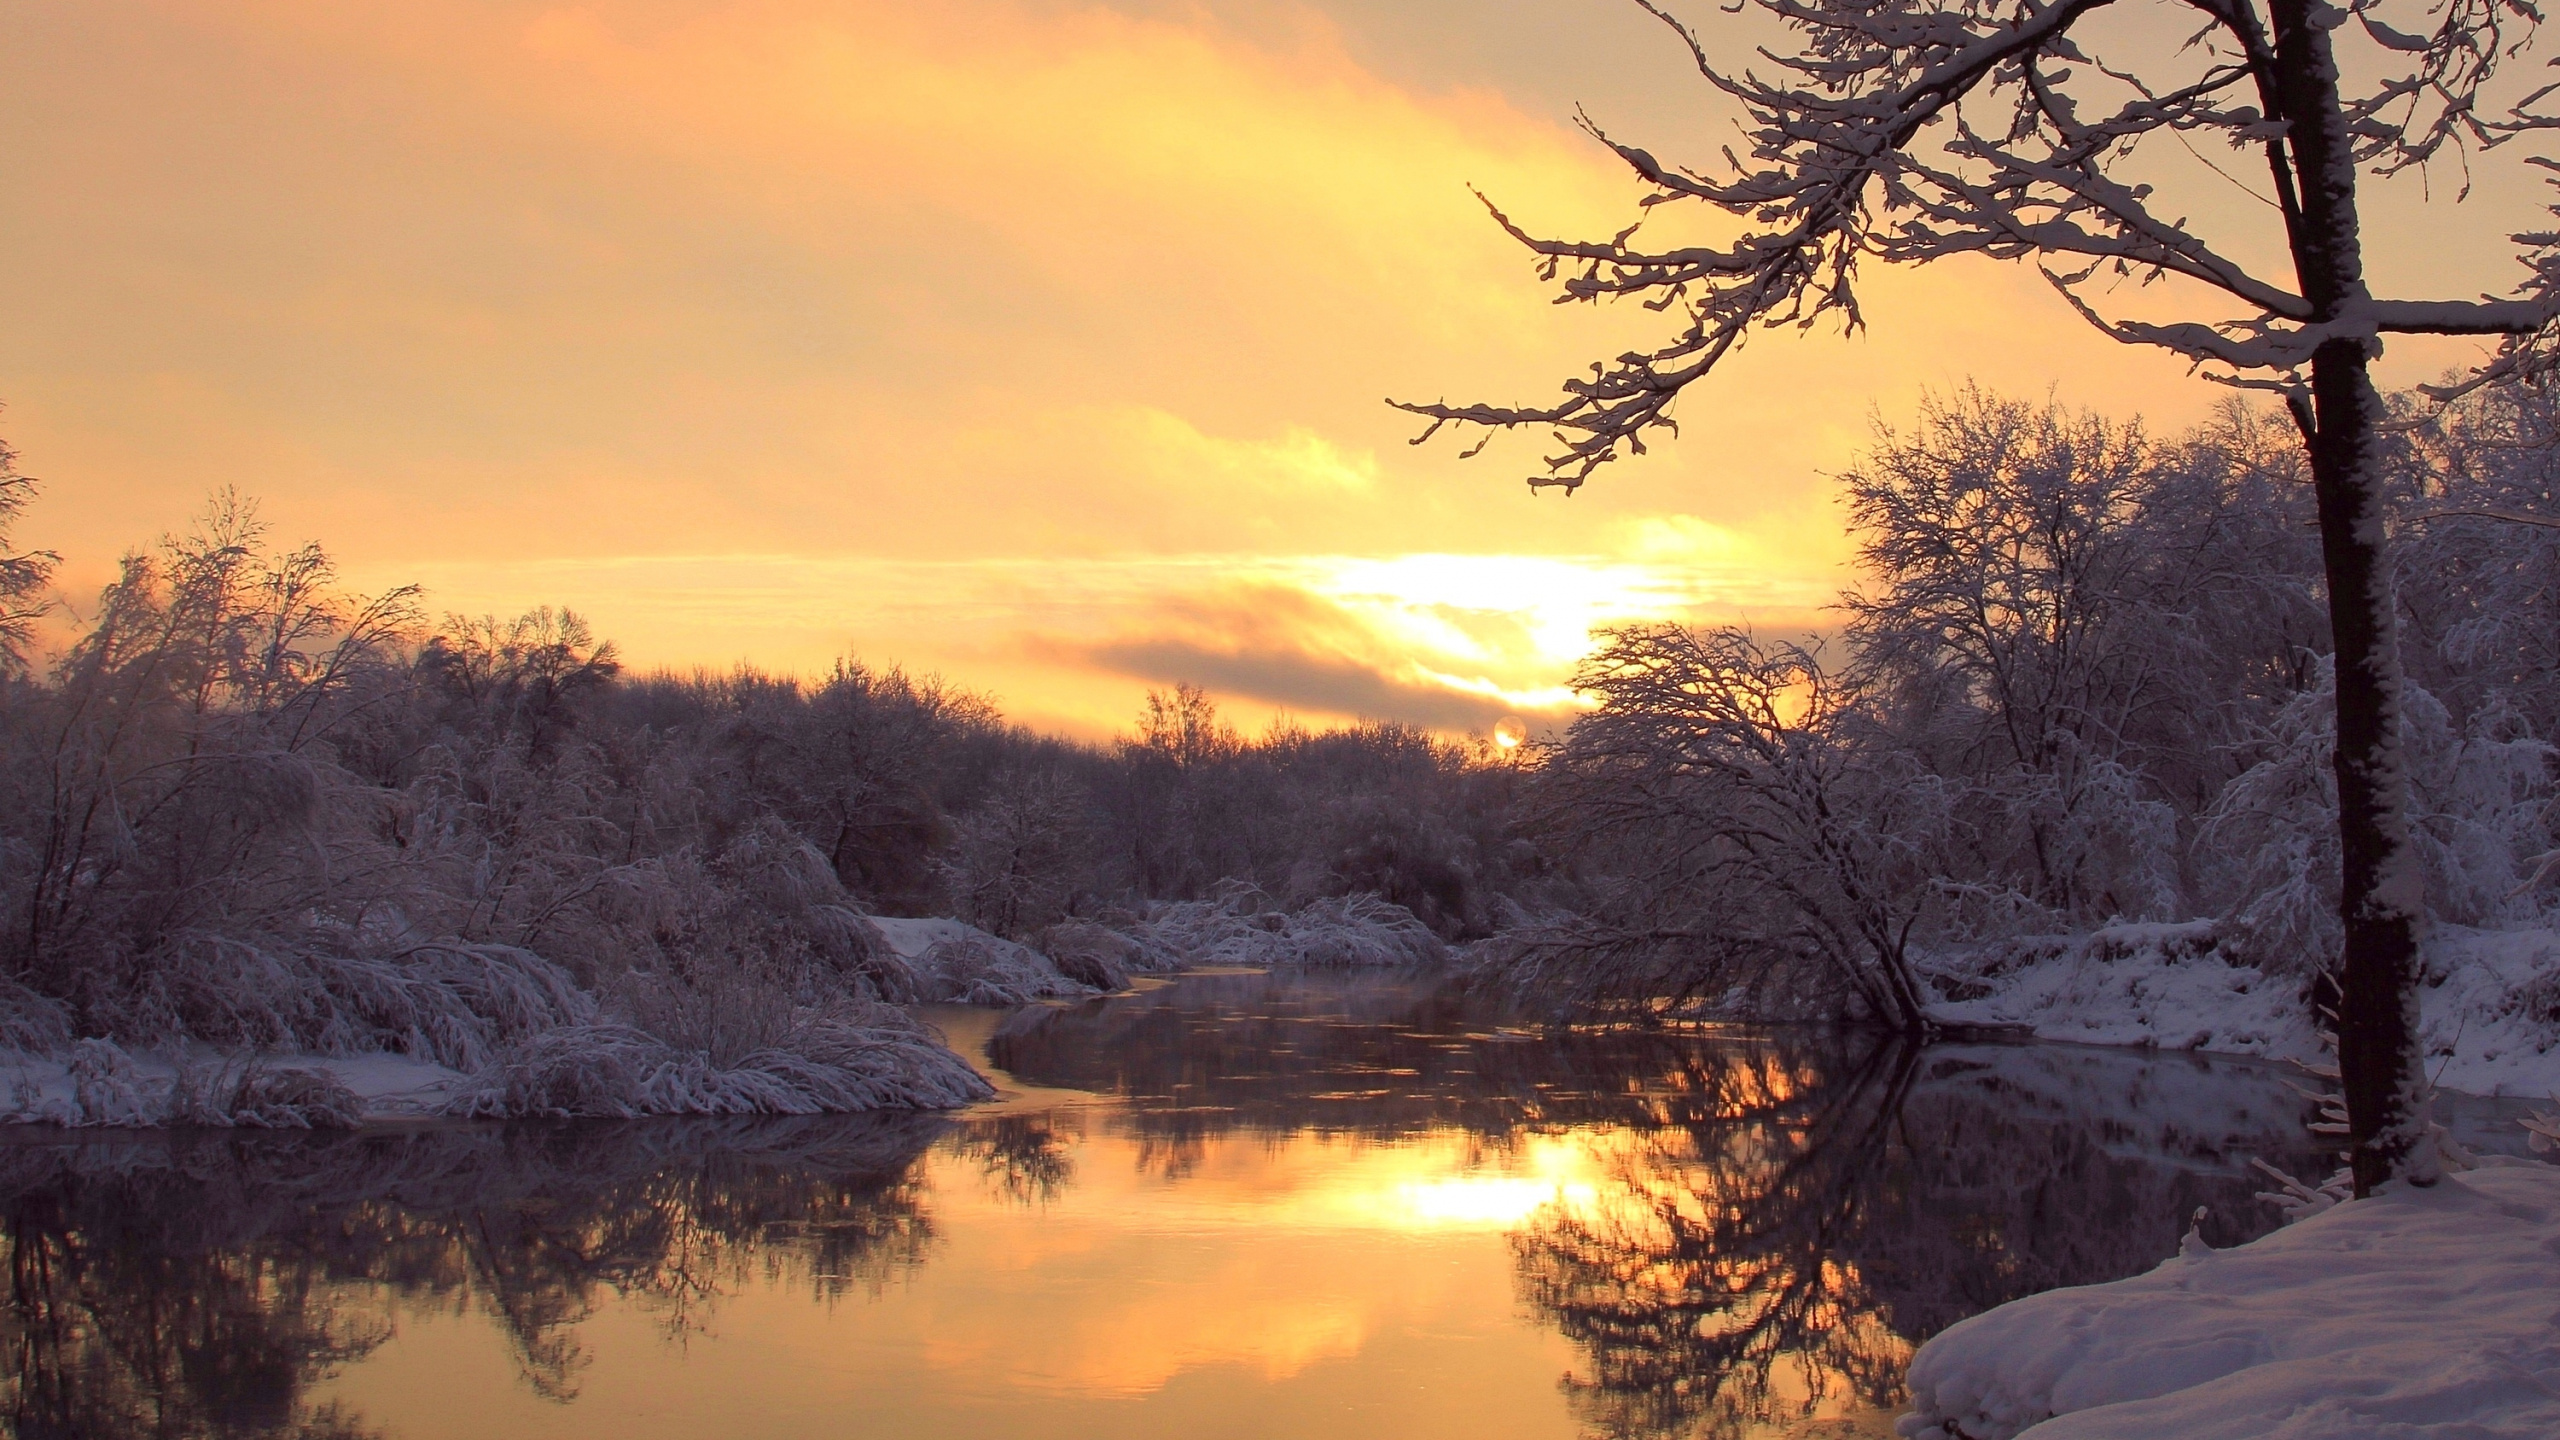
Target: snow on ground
x: 2414, y: 1315
x: 85, y: 1086
x: 2489, y: 1016
x: 960, y: 964
x: 2158, y: 985
x: 862, y: 1057
x: 1241, y: 926
x: 749, y: 1054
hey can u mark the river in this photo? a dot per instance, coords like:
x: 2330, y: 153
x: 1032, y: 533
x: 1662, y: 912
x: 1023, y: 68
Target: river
x: 1234, y: 1205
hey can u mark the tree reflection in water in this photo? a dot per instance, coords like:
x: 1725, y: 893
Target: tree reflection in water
x: 182, y: 1285
x: 1792, y: 1213
x: 1788, y: 1233
x: 1785, y: 1215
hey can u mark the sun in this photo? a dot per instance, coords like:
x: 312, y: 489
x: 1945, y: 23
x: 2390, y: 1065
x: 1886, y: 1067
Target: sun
x: 1509, y: 731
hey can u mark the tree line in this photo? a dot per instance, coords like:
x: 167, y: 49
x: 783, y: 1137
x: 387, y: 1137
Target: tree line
x: 2085, y: 677
x: 246, y: 807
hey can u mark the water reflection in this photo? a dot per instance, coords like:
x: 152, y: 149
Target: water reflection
x: 1307, y: 1183
x: 1787, y: 1215
x: 180, y: 1284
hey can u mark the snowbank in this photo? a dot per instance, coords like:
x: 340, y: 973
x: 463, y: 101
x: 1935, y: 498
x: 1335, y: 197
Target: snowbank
x: 1241, y: 927
x: 97, y: 1082
x: 2489, y: 1017
x: 2166, y: 986
x: 959, y: 964
x: 2415, y: 1315
x: 861, y: 1057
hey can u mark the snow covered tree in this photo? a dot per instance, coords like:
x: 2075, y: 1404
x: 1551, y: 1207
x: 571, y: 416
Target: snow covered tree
x: 1908, y: 131
x: 24, y: 575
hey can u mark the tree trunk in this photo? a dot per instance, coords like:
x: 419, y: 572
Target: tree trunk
x: 2382, y: 893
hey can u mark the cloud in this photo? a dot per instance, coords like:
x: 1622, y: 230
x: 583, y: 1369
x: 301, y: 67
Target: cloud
x: 1304, y: 653
x: 1448, y: 641
x: 769, y: 328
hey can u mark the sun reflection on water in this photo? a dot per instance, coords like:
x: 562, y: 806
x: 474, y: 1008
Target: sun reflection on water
x: 1632, y: 1235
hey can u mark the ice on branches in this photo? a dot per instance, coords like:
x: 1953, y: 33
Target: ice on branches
x: 1906, y: 135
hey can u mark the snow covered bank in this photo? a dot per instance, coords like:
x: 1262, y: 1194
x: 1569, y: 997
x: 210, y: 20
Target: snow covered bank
x: 1242, y: 927
x: 861, y: 1057
x: 500, y: 1032
x: 2168, y: 986
x: 2489, y: 1015
x: 959, y: 964
x: 2415, y: 1315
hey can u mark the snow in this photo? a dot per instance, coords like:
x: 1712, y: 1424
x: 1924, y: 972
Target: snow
x: 959, y: 964
x: 44, y: 1089
x: 2489, y: 1014
x: 1241, y: 927
x: 860, y: 1057
x: 2486, y: 1017
x: 505, y: 1033
x: 2166, y: 986
x: 2418, y: 1314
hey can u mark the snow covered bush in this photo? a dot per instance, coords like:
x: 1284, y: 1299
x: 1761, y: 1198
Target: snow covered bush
x: 857, y: 1057
x: 1242, y: 926
x: 955, y: 963
x: 257, y: 818
x: 2482, y: 795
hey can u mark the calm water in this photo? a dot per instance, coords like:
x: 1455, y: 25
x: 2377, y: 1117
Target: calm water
x: 1233, y: 1206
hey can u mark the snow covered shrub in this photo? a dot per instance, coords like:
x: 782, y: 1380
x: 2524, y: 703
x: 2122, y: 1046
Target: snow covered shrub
x: 959, y: 964
x: 976, y: 968
x: 1242, y: 926
x: 1091, y: 954
x: 763, y: 901
x: 29, y: 1021
x: 2272, y: 837
x: 2269, y: 844
x: 450, y: 1002
x: 108, y: 1089
x: 1358, y: 929
x: 854, y: 1057
x: 250, y: 1093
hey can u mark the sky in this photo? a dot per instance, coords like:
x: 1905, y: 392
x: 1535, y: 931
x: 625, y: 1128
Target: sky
x: 1040, y: 345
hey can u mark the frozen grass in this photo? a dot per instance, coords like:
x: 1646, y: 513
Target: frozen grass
x: 853, y: 1056
x: 96, y: 1083
x: 2418, y: 1314
x: 955, y: 963
x: 1242, y: 927
x: 862, y: 1057
x: 486, y: 1031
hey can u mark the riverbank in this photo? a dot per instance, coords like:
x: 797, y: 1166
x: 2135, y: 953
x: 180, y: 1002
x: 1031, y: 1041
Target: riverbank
x: 467, y: 1042
x: 2488, y: 1022
x: 2418, y: 1314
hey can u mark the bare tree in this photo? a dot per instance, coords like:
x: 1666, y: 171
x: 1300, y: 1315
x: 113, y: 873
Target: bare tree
x: 1914, y: 132
x: 1772, y: 834
x: 23, y: 575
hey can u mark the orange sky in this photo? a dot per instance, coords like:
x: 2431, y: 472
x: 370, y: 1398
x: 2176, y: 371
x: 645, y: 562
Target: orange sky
x: 1033, y: 342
